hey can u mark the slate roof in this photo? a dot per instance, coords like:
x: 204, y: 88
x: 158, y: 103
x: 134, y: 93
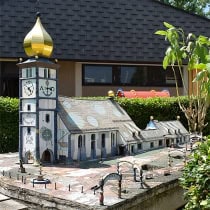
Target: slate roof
x: 95, y: 30
x: 160, y: 129
x: 83, y: 115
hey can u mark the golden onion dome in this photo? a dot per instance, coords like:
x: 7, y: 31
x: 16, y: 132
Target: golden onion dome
x: 38, y: 42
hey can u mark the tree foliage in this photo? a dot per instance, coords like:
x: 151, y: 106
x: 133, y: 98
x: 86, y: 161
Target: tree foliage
x: 194, y: 51
x: 196, y: 178
x: 199, y: 7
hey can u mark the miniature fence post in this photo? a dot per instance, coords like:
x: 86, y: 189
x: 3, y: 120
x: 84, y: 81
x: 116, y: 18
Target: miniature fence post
x: 134, y: 174
x: 101, y: 196
x: 69, y: 188
x: 169, y: 158
x: 119, y: 186
x: 185, y: 156
x: 141, y: 178
x: 82, y: 190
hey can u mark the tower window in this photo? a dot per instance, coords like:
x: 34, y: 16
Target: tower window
x: 29, y: 107
x: 47, y: 118
x: 28, y: 72
x: 46, y: 73
x: 28, y: 130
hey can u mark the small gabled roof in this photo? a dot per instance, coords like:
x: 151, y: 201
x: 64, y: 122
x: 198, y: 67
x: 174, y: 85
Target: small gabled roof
x: 88, y: 115
x: 96, y: 30
x: 172, y: 127
x: 160, y: 129
x: 152, y: 134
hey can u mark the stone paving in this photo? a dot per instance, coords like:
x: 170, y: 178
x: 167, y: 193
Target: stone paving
x: 74, y: 182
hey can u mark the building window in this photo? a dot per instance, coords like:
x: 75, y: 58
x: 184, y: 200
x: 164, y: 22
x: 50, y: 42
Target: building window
x: 93, y: 137
x: 79, y: 141
x: 47, y: 118
x: 103, y: 137
x: 123, y: 75
x: 160, y: 143
x: 112, y: 139
x: 139, y: 146
x: 84, y: 140
x: 151, y: 144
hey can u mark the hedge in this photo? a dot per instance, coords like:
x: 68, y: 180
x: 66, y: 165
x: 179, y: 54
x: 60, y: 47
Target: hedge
x: 139, y: 110
x: 8, y: 124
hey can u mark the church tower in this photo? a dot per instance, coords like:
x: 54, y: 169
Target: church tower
x: 38, y: 94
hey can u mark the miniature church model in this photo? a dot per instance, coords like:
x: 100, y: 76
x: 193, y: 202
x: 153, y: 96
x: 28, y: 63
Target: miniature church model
x: 38, y: 96
x: 53, y: 128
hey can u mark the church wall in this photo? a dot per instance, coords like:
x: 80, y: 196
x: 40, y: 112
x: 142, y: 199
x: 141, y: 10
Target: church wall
x: 62, y: 138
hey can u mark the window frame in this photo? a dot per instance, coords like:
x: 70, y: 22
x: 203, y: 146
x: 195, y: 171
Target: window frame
x: 150, y: 69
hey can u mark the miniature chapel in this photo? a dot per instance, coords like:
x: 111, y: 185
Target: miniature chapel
x: 62, y: 129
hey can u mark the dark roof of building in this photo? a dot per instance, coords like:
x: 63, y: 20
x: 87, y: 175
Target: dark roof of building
x: 95, y: 30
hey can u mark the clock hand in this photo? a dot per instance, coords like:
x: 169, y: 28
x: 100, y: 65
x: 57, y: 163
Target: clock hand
x: 29, y: 89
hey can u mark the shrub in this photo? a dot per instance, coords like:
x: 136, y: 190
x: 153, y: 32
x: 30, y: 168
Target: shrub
x: 8, y: 124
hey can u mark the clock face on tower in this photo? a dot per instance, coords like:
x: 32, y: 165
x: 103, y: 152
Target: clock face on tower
x: 28, y: 87
x: 29, y: 119
x: 47, y: 88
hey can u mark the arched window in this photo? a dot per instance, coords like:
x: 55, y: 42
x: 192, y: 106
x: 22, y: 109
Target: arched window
x: 84, y: 140
x: 79, y: 141
x: 103, y: 136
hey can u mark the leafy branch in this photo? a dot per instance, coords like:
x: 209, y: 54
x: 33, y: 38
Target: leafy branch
x: 194, y: 52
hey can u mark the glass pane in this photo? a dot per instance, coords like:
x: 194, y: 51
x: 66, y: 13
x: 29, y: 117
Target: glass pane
x: 97, y: 74
x: 127, y: 74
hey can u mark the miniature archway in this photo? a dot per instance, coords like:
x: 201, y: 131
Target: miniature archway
x: 28, y: 156
x: 135, y: 167
x: 47, y: 156
x: 111, y: 176
x: 176, y: 154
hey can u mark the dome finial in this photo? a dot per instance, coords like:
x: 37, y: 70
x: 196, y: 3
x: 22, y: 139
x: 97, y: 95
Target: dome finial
x: 38, y: 42
x: 38, y: 14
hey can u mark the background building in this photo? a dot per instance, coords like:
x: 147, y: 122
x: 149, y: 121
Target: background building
x: 100, y: 45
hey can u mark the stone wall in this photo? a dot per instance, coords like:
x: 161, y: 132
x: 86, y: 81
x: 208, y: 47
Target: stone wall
x: 165, y: 196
